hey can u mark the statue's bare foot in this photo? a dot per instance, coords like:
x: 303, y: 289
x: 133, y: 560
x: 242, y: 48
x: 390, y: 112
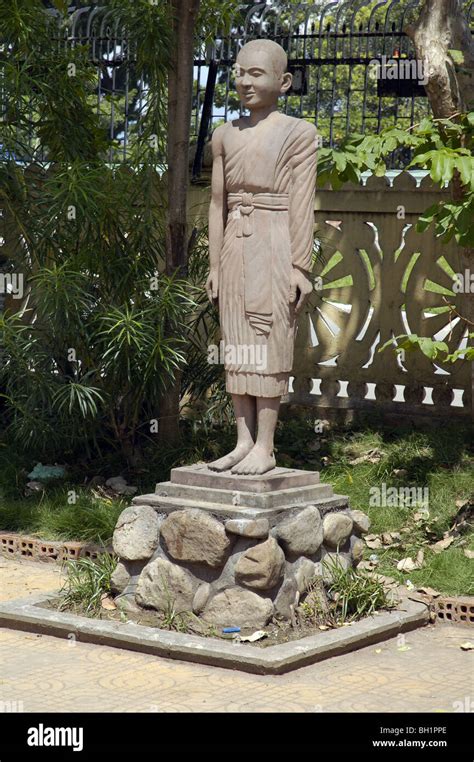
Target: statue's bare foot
x: 258, y: 461
x: 229, y: 460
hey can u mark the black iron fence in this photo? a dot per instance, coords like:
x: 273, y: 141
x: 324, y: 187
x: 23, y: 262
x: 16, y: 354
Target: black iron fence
x: 354, y: 67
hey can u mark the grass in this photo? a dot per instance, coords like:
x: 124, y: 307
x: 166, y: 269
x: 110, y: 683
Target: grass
x: 441, y: 459
x: 351, y: 595
x: 86, y: 583
x: 51, y: 516
x: 357, y: 593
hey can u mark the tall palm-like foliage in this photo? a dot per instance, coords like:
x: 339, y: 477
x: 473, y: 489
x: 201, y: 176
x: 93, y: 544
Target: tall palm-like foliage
x: 85, y: 353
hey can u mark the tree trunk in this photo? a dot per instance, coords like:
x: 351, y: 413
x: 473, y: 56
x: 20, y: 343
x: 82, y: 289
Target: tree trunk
x: 441, y: 27
x: 180, y: 84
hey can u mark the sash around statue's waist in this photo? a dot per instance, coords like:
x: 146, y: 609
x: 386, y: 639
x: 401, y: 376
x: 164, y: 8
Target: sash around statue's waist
x: 242, y: 204
x: 257, y: 254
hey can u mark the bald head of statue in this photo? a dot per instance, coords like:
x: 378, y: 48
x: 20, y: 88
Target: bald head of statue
x: 260, y: 73
x: 267, y: 49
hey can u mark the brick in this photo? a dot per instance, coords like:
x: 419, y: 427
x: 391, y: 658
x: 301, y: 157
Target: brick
x: 71, y: 551
x: 94, y: 551
x: 27, y: 546
x: 9, y: 543
x: 451, y: 609
x: 48, y: 551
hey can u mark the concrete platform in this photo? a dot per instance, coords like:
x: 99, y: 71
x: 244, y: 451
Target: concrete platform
x: 27, y: 614
x: 200, y: 475
x: 242, y: 496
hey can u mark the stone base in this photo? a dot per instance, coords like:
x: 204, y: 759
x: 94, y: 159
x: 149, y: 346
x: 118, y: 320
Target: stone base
x: 235, y: 550
x: 200, y: 475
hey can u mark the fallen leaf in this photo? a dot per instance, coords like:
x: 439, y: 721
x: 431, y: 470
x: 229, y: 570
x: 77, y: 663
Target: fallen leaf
x: 421, y: 515
x: 408, y: 564
x: 441, y: 545
x: 373, y: 541
x: 388, y: 581
x: 428, y: 591
x: 418, y: 597
x: 372, y: 456
x: 367, y: 565
x: 107, y: 603
x: 391, y: 539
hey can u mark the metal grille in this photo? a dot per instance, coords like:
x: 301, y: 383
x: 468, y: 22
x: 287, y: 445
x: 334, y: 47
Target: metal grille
x: 332, y: 49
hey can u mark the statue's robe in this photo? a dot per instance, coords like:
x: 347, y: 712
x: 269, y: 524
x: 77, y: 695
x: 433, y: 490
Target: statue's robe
x: 270, y: 177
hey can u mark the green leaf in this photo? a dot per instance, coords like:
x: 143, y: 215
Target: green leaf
x: 442, y: 167
x: 353, y: 173
x: 461, y: 354
x: 457, y: 56
x: 340, y: 160
x: 465, y: 165
x: 431, y: 348
x: 426, y: 218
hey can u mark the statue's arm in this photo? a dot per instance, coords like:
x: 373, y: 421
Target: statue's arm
x: 302, y: 194
x: 217, y: 213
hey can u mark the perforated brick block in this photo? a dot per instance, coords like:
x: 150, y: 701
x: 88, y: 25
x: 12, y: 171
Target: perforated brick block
x: 93, y: 551
x: 71, y: 551
x: 459, y: 610
x: 48, y: 551
x: 9, y: 543
x: 27, y: 547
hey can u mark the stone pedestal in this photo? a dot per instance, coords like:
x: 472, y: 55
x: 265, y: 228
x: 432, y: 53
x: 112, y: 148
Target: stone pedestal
x: 235, y: 550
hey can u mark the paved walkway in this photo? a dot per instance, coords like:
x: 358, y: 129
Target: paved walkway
x: 423, y: 671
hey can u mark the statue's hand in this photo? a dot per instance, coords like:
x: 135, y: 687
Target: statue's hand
x: 300, y: 288
x: 212, y: 285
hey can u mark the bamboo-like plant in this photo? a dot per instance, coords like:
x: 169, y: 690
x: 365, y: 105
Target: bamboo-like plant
x: 85, y: 354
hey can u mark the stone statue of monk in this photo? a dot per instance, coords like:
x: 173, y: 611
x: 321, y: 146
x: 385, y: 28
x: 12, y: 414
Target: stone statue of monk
x: 261, y: 221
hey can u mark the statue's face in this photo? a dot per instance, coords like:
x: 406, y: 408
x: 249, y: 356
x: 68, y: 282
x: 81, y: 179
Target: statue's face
x: 256, y: 82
